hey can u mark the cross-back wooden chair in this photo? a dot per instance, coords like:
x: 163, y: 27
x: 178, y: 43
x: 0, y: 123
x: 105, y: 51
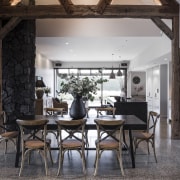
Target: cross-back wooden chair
x: 109, y: 137
x: 71, y: 137
x: 32, y: 140
x: 149, y: 135
x: 6, y: 134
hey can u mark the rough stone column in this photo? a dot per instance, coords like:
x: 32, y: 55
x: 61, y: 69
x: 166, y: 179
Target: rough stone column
x: 18, y: 60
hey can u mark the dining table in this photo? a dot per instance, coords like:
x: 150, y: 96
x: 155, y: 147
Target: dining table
x: 131, y: 122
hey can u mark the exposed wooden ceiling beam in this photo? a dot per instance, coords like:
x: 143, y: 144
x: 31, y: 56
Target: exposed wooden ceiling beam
x: 169, y: 2
x: 164, y: 2
x: 172, y: 2
x: 163, y: 27
x: 67, y: 6
x: 4, y: 2
x: 113, y: 11
x: 32, y: 2
x: 9, y: 26
x: 102, y: 4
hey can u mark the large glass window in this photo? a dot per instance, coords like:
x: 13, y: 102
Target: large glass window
x: 114, y: 87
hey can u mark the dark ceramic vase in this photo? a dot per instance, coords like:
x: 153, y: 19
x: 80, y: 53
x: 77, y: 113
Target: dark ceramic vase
x: 77, y: 110
x: 39, y: 93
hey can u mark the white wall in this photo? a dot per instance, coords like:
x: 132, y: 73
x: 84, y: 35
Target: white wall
x: 169, y: 89
x: 152, y: 55
x: 44, y: 68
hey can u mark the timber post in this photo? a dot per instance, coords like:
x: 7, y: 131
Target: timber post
x: 175, y: 101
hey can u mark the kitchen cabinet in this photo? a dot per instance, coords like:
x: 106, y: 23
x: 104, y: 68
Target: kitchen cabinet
x: 156, y: 89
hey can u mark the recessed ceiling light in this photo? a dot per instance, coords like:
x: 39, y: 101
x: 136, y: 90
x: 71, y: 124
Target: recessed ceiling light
x: 71, y: 50
x: 67, y: 43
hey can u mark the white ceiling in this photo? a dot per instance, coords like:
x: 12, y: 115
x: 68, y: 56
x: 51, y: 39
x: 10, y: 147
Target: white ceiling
x: 95, y: 39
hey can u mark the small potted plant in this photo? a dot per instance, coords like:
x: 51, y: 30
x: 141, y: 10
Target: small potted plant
x: 47, y: 90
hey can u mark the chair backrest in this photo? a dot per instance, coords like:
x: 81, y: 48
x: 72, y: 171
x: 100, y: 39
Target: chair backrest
x: 3, y: 122
x: 58, y: 104
x: 152, y: 121
x: 5, y: 125
x: 30, y: 129
x: 109, y: 128
x: 71, y: 127
x: 3, y: 117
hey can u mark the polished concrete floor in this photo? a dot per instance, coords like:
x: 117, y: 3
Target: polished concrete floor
x: 168, y: 166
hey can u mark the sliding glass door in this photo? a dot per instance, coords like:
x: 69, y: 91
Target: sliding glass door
x: 113, y: 87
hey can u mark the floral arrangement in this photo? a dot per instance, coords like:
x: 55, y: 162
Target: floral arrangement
x: 138, y: 89
x: 84, y: 87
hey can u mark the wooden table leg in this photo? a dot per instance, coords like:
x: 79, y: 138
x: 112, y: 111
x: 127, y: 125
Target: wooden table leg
x: 97, y: 113
x: 113, y: 113
x: 61, y: 113
x: 18, y: 150
x: 131, y: 149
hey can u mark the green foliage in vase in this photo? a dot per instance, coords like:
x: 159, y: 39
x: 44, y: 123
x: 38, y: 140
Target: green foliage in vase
x: 85, y: 87
x: 47, y: 89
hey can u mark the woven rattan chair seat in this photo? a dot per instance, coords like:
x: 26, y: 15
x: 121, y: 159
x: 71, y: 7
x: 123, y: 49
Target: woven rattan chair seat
x: 71, y: 143
x: 11, y: 134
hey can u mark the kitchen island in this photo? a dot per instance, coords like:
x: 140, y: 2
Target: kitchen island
x: 129, y: 107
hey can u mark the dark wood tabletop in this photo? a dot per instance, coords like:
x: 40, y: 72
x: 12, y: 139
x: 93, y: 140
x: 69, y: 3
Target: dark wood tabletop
x: 131, y: 121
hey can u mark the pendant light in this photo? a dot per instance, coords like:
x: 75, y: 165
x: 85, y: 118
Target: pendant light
x: 119, y: 73
x: 112, y: 75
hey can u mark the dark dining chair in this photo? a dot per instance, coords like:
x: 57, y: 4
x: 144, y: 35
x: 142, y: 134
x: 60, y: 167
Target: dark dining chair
x: 109, y: 137
x: 32, y: 140
x: 149, y: 135
x: 6, y: 134
x: 71, y: 137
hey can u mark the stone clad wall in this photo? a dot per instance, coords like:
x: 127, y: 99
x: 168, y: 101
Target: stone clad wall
x: 18, y: 75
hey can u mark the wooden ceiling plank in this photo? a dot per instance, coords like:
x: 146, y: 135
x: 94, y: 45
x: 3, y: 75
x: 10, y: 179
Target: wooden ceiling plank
x: 163, y: 27
x: 9, y: 26
x: 67, y: 6
x: 80, y: 11
x: 102, y: 4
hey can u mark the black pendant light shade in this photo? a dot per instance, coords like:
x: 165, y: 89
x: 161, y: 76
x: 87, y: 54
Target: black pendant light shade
x: 119, y: 73
x: 112, y: 75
